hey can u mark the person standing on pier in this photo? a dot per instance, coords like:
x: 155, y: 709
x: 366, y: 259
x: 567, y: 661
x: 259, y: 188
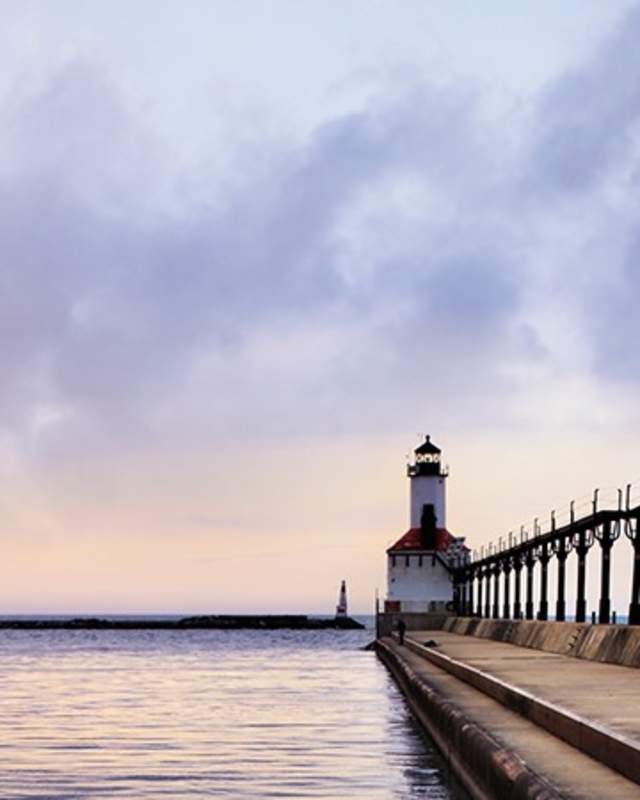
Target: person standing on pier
x: 402, y: 627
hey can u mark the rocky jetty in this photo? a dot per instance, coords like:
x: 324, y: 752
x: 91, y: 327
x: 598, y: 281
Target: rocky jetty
x: 212, y: 621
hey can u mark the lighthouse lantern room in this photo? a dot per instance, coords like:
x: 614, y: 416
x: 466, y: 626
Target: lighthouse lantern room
x: 419, y: 564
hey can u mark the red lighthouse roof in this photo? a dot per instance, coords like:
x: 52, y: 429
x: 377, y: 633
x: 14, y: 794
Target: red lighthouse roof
x: 412, y: 540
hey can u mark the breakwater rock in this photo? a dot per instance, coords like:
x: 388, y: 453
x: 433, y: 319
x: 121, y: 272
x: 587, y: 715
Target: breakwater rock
x: 210, y: 621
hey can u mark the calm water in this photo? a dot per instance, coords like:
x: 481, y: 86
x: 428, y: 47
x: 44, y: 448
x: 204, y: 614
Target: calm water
x: 206, y: 714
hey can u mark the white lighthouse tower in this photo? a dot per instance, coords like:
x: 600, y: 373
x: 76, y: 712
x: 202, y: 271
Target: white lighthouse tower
x: 427, y: 481
x: 420, y: 563
x: 341, y: 608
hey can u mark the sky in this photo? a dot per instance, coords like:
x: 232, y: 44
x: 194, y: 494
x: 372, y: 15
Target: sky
x: 253, y: 251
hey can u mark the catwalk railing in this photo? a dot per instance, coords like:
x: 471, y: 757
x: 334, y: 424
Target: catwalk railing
x: 482, y: 585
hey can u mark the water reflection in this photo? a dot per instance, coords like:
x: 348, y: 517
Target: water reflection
x: 206, y: 713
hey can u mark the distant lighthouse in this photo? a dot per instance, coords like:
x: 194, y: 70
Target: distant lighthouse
x: 420, y: 563
x: 341, y: 608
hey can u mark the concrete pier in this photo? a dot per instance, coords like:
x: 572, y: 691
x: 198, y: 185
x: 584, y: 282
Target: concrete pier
x: 544, y: 717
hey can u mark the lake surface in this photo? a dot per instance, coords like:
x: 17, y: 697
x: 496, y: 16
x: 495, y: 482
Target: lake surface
x: 187, y: 714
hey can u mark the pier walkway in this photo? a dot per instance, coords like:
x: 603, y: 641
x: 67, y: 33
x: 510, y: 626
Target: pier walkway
x: 573, y: 723
x: 603, y: 695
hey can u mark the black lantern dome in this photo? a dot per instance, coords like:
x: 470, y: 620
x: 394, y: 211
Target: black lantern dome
x: 427, y: 460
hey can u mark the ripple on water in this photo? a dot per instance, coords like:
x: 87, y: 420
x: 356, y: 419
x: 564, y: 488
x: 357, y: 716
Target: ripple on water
x: 238, y: 714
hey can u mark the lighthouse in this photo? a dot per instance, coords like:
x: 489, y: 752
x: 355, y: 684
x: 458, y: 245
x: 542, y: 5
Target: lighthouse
x: 341, y: 608
x: 420, y: 563
x: 427, y: 481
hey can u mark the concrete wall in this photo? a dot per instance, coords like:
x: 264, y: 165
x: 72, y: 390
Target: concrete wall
x: 613, y: 644
x: 415, y: 622
x: 425, y: 490
x: 486, y: 767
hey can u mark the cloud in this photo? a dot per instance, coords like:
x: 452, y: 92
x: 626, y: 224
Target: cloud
x: 186, y: 334
x: 583, y: 126
x: 415, y: 260
x: 580, y: 173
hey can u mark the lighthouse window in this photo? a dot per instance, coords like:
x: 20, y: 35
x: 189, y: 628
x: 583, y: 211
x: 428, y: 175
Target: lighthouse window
x: 406, y: 561
x: 393, y: 561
